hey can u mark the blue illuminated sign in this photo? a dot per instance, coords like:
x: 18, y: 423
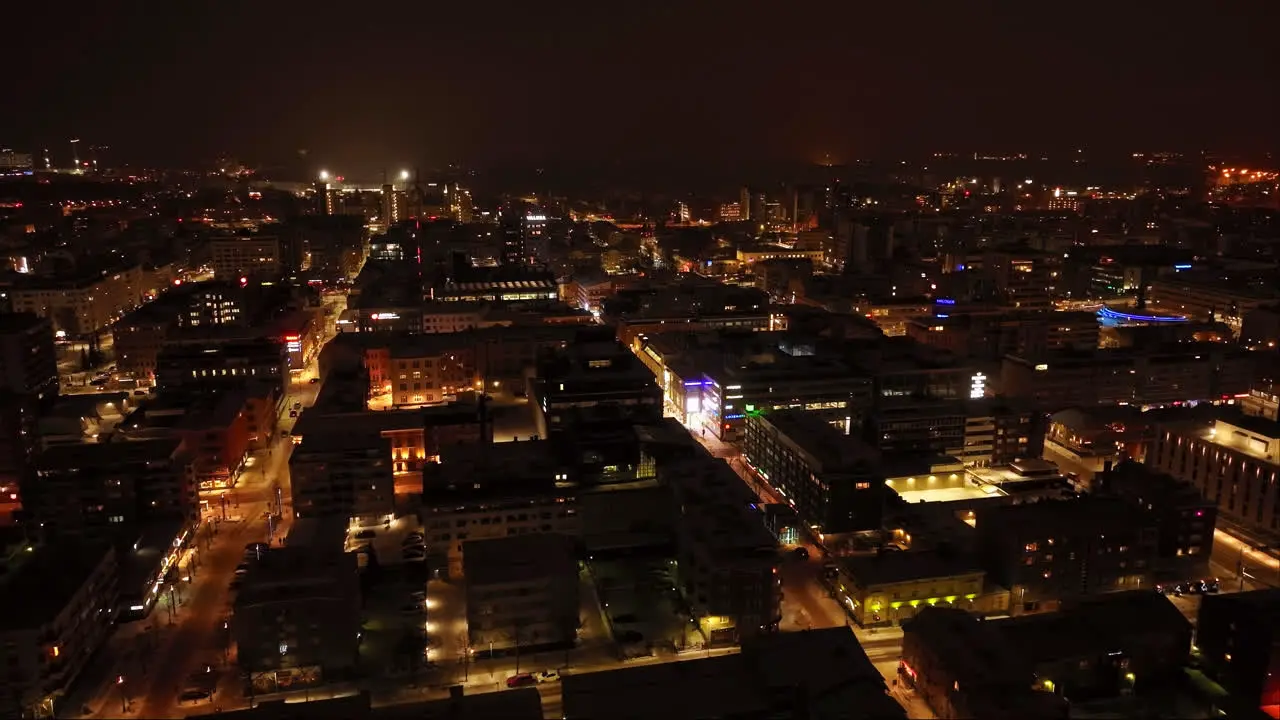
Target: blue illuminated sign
x: 1107, y: 313
x: 945, y: 301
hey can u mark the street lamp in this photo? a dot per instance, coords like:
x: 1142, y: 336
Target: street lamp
x: 124, y: 699
x: 324, y: 175
x: 404, y: 175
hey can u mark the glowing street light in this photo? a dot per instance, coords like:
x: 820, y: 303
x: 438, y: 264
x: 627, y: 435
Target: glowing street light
x: 404, y: 175
x: 324, y: 174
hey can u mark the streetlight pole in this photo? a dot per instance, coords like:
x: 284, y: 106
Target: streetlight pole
x: 124, y: 699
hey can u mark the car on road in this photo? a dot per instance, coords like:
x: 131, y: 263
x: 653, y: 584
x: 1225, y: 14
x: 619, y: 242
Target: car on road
x: 414, y: 555
x: 416, y: 608
x: 521, y: 680
x: 193, y: 696
x: 366, y: 534
x: 293, y: 413
x: 253, y: 548
x: 98, y: 382
x: 314, y: 380
x: 547, y: 676
x: 297, y: 406
x: 801, y: 553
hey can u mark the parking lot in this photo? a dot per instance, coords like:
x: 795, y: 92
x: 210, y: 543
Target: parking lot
x: 642, y: 607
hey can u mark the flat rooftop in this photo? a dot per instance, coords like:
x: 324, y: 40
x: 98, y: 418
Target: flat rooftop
x: 832, y: 449
x: 715, y: 687
x: 38, y: 583
x: 518, y: 559
x: 888, y: 568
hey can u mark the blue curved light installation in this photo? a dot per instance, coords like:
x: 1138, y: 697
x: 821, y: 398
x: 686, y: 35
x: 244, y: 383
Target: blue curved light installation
x: 1107, y: 313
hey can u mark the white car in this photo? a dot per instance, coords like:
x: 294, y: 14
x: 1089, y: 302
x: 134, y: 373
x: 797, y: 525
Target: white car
x: 547, y: 676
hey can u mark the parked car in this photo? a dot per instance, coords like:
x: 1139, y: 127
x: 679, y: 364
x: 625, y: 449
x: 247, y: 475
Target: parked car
x: 414, y: 555
x: 412, y: 540
x: 416, y: 608
x: 314, y: 380
x: 366, y: 534
x: 547, y: 676
x: 192, y: 696
x: 521, y: 680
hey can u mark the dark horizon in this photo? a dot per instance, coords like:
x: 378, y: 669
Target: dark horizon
x: 732, y: 85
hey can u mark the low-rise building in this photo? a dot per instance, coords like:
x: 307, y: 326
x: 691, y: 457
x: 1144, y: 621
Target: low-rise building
x: 57, y: 608
x: 892, y: 587
x: 297, y: 616
x: 521, y: 591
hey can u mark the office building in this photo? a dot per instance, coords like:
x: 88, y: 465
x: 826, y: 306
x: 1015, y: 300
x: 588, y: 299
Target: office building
x: 832, y: 479
x: 1233, y: 461
x: 521, y: 592
x: 57, y: 608
x: 1144, y: 377
x: 296, y: 618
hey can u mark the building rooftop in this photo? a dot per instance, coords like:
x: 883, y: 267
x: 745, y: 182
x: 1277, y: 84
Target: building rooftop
x: 1094, y: 625
x: 831, y: 449
x: 887, y: 568
x: 518, y: 559
x: 105, y: 455
x: 37, y: 583
x: 517, y: 704
x: 716, y: 687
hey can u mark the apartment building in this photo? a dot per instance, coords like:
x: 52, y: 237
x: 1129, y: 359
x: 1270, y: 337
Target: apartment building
x: 1046, y: 552
x: 297, y: 617
x: 521, y: 592
x: 84, y: 303
x: 484, y: 491
x: 346, y: 474
x: 726, y: 559
x: 250, y: 256
x: 102, y: 488
x: 57, y: 608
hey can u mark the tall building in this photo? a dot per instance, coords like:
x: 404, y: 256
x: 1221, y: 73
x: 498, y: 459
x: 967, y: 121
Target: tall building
x: 28, y: 360
x: 394, y: 205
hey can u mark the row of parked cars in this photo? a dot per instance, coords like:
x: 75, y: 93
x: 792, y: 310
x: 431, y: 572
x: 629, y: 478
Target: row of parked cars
x: 1193, y: 587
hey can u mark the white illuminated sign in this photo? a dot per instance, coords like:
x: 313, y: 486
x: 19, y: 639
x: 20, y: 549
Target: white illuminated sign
x: 1042, y: 367
x: 536, y: 218
x: 977, y: 386
x: 386, y: 316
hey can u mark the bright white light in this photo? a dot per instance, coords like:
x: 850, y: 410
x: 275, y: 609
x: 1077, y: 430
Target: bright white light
x: 404, y: 174
x: 324, y: 174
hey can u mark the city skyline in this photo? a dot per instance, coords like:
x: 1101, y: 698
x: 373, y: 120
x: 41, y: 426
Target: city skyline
x: 577, y: 86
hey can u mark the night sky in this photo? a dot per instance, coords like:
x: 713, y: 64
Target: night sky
x: 365, y: 85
